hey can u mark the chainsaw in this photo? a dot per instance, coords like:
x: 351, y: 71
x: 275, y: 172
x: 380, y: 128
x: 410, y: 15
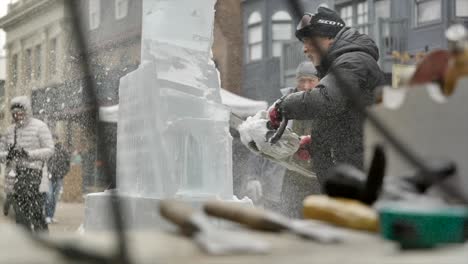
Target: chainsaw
x: 236, y: 121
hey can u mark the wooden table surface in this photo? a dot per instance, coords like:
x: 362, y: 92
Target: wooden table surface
x: 166, y: 247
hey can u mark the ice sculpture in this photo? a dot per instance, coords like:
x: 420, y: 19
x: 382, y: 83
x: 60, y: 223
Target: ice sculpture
x: 173, y: 136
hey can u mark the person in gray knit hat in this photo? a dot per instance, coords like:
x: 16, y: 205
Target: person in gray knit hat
x: 306, y: 76
x: 296, y: 187
x: 269, y: 184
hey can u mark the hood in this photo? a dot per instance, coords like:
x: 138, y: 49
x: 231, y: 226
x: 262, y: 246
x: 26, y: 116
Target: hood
x: 287, y: 90
x: 349, y: 40
x: 23, y: 101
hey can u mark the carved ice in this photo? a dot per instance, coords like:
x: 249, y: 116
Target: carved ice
x: 173, y: 136
x: 173, y: 132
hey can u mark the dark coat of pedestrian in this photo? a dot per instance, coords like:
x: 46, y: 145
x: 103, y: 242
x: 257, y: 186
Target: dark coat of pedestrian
x: 58, y: 166
x: 59, y: 163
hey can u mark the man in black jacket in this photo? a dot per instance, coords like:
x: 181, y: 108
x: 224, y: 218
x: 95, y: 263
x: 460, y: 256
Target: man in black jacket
x: 335, y: 50
x: 58, y: 167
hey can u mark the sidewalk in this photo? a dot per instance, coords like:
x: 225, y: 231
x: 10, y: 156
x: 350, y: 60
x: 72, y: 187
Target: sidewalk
x: 69, y: 215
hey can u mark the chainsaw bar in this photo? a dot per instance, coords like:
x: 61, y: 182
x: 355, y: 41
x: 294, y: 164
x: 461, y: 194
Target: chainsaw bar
x: 235, y: 121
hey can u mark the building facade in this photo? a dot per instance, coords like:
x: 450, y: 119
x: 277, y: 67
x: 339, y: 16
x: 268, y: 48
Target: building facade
x: 35, y: 46
x: 227, y: 45
x: 40, y: 64
x: 266, y: 25
x: 3, y: 101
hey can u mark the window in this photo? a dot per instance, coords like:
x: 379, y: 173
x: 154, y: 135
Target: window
x: 94, y: 13
x: 346, y: 13
x: 28, y: 64
x: 53, y: 56
x: 38, y: 65
x: 363, y: 17
x: 282, y: 31
x: 254, y: 37
x: 121, y: 9
x: 427, y: 11
x: 461, y: 8
x: 382, y: 9
x: 356, y: 15
x: 14, y: 69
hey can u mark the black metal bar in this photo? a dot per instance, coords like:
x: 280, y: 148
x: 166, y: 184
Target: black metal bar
x: 120, y: 255
x: 279, y: 133
x: 73, y: 8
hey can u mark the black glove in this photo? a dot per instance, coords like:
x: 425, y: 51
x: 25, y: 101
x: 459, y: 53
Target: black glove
x: 11, y: 153
x: 276, y: 113
x: 16, y: 153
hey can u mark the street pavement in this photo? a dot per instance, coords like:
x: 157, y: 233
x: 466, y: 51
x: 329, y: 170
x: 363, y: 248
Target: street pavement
x: 69, y: 215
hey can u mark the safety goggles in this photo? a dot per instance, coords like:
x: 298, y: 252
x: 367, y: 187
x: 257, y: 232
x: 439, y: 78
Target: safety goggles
x: 17, y: 107
x: 305, y: 21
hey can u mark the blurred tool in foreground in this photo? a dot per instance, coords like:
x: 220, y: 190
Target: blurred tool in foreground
x: 423, y: 225
x: 259, y: 219
x: 211, y: 239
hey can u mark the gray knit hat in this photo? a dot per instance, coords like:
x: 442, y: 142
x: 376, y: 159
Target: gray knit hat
x: 306, y: 69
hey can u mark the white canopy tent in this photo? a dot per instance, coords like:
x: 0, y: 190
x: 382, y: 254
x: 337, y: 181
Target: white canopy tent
x: 240, y: 106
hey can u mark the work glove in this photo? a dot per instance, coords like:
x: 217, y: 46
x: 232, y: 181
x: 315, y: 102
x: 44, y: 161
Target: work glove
x: 16, y: 153
x: 275, y: 115
x: 304, y: 145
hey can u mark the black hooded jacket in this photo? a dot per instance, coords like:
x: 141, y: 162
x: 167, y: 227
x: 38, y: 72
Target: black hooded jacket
x: 59, y: 163
x: 337, y: 135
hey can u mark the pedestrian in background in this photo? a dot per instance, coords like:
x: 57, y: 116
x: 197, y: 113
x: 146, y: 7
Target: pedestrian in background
x: 296, y: 187
x: 58, y: 166
x: 26, y: 147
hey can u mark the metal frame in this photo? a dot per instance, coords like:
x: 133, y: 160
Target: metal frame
x: 414, y: 15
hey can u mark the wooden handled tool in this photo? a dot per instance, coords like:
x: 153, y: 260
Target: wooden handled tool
x: 179, y: 214
x: 249, y: 216
x: 269, y: 221
x: 212, y: 240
